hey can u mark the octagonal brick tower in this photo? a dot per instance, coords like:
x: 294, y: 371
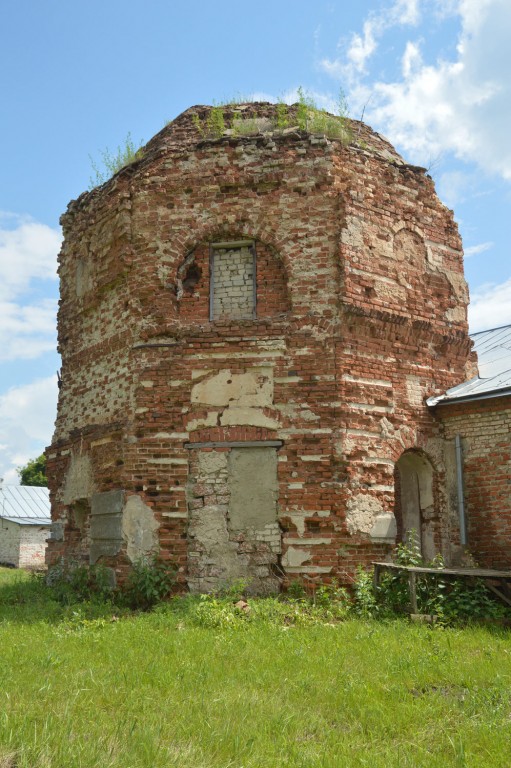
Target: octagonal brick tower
x: 250, y: 323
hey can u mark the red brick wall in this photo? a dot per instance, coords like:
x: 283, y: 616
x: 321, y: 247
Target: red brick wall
x: 271, y: 290
x: 485, y: 429
x: 361, y: 314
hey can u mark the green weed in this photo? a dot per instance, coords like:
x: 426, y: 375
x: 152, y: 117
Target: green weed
x: 451, y: 601
x: 149, y: 581
x: 126, y: 153
x: 97, y: 687
x: 73, y: 582
x: 306, y: 115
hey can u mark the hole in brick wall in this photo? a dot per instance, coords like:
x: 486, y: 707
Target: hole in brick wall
x: 80, y: 512
x: 192, y: 276
x: 313, y: 526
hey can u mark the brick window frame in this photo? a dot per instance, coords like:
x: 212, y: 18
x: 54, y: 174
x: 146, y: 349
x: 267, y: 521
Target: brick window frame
x: 251, y: 280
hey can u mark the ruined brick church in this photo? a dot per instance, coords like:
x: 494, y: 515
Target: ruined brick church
x: 250, y: 326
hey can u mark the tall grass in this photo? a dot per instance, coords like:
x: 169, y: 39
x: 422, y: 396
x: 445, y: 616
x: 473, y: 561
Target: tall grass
x: 84, y: 686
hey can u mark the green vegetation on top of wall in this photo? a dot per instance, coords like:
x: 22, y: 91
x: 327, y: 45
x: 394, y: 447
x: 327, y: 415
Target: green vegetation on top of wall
x: 111, y: 162
x: 305, y: 115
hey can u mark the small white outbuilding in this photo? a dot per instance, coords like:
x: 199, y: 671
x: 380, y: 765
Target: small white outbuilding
x: 24, y: 525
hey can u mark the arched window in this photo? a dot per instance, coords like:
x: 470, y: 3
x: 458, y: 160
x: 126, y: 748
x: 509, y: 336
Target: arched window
x: 230, y: 280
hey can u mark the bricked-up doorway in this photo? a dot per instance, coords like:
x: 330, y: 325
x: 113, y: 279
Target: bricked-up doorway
x: 233, y: 530
x: 233, y: 281
x: 414, y: 503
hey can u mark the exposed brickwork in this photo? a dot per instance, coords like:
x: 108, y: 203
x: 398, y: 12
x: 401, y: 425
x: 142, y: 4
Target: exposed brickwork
x: 485, y: 429
x: 360, y: 313
x: 193, y: 287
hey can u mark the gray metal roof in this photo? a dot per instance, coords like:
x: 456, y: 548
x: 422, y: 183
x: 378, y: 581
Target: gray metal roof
x: 493, y: 349
x: 25, y: 504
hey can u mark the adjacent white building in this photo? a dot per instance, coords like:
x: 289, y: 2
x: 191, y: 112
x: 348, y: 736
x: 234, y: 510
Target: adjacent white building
x: 24, y: 525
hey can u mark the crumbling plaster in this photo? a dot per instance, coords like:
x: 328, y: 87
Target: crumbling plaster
x: 360, y: 314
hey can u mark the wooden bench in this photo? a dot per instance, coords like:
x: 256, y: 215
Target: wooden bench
x: 497, y: 581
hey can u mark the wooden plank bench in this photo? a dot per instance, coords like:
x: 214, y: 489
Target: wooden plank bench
x: 497, y: 581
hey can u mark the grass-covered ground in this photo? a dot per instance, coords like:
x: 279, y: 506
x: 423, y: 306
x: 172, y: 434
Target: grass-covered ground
x: 187, y: 686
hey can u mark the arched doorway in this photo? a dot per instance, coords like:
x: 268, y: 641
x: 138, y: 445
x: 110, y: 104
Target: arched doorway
x: 414, y: 503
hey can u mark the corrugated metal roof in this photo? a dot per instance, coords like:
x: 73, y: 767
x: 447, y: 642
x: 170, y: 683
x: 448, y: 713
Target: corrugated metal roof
x: 25, y: 504
x: 493, y: 349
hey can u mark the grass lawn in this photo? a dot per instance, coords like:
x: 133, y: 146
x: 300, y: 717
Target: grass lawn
x: 84, y: 686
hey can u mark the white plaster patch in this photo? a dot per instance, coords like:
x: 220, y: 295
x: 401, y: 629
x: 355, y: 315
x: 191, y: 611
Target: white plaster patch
x: 415, y: 391
x: 251, y: 417
x: 254, y: 388
x: 294, y: 557
x: 210, y: 420
x: 390, y: 291
x: 353, y: 233
x: 139, y: 529
x: 361, y: 513
x: 79, y: 482
x: 386, y: 428
x: 384, y: 528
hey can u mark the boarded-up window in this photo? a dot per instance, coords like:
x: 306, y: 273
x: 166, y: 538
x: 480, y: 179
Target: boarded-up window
x: 253, y: 486
x: 232, y: 289
x: 233, y: 529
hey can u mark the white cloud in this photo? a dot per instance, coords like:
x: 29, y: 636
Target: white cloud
x: 27, y: 331
x: 412, y: 59
x: 490, y: 306
x: 460, y: 105
x: 28, y: 260
x: 356, y: 53
x: 474, y: 250
x: 453, y: 186
x: 362, y: 46
x: 28, y: 251
x: 27, y: 415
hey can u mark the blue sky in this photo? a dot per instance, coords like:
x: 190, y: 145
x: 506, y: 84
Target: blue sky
x: 434, y: 76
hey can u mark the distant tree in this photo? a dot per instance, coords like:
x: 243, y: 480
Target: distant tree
x: 34, y: 472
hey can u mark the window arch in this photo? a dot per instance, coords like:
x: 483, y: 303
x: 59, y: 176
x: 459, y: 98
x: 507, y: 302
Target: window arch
x: 231, y: 280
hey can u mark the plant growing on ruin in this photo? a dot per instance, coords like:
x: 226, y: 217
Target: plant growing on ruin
x: 306, y: 115
x: 282, y: 115
x: 126, y: 153
x: 212, y: 126
x: 366, y: 604
x: 71, y: 581
x: 150, y: 581
x: 313, y: 119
